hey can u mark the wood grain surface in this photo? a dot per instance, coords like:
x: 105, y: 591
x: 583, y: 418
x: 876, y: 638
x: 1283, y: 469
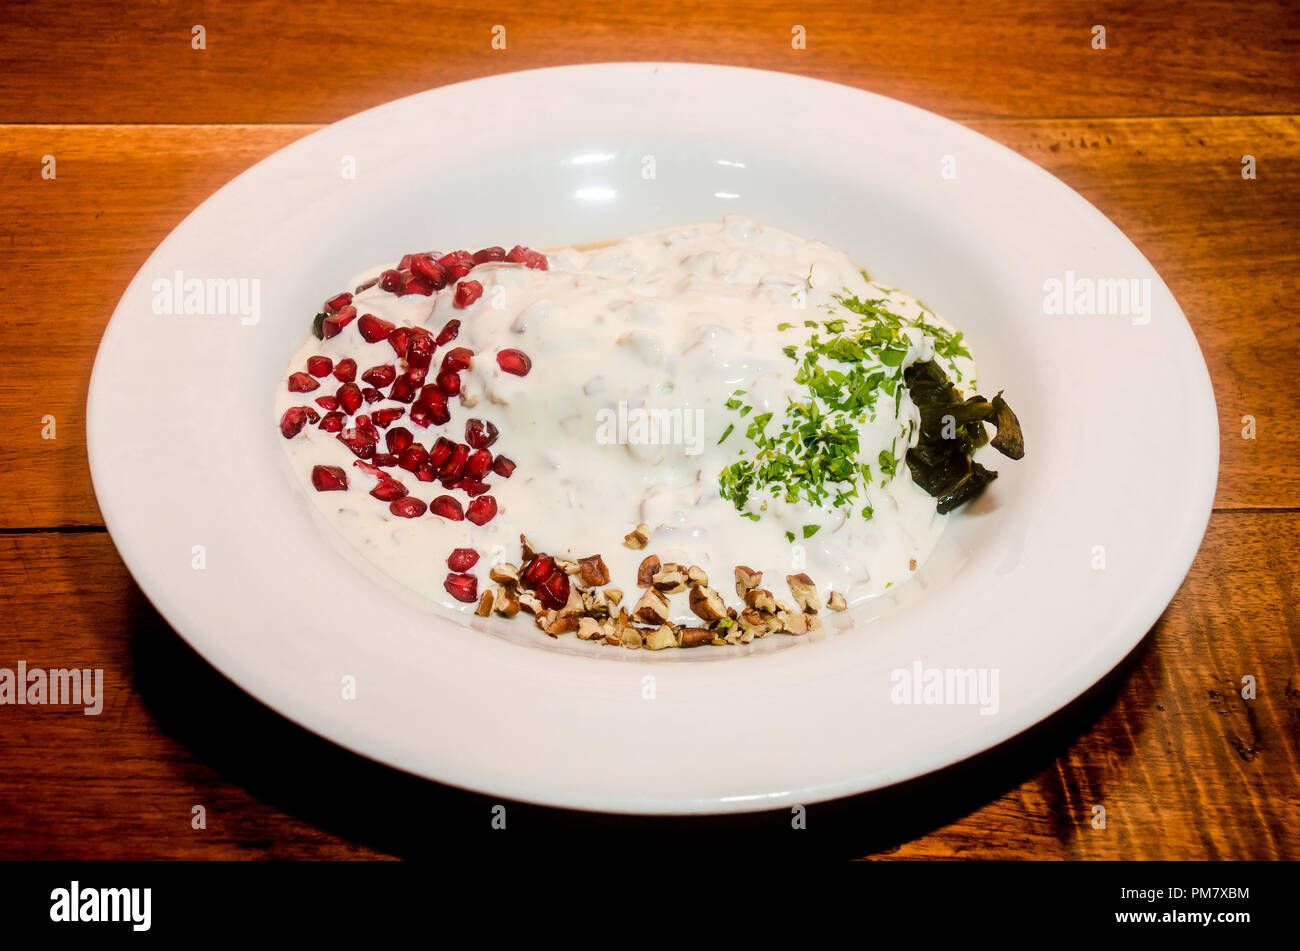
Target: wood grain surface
x: 1152, y: 130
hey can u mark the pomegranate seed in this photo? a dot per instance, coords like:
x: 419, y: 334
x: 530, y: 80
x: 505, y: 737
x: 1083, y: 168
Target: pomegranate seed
x: 390, y: 281
x: 292, y: 422
x: 489, y: 254
x: 441, y: 451
x: 405, y: 263
x: 479, y: 464
x: 371, y: 395
x: 403, y: 390
x: 345, y: 371
x: 421, y: 415
x: 319, y: 366
x: 449, y: 382
x: 407, y: 507
x: 527, y: 257
x: 382, y: 375
x: 361, y: 447
x: 419, y: 351
x: 480, y: 433
x: 329, y: 479
x: 462, y: 587
x: 467, y: 292
x: 454, y: 467
x: 413, y: 457
x: 399, y: 338
x: 452, y: 257
x: 367, y: 428
x: 554, y: 591
x: 448, y: 333
x: 445, y: 506
x: 416, y: 285
x: 312, y: 415
x: 370, y: 468
x: 430, y: 270
x: 373, y: 329
x: 458, y: 358
x: 462, y: 559
x: 482, y: 510
x: 537, y: 570
x: 328, y: 403
x: 349, y: 397
x: 333, y: 325
x: 471, y: 487
x: 385, y: 459
x: 301, y: 383
x: 425, y: 473
x: 399, y: 439
x: 436, y: 404
x: 337, y: 302
x: 332, y: 422
x: 503, y: 467
x: 514, y: 361
x: 388, y: 489
x: 386, y: 417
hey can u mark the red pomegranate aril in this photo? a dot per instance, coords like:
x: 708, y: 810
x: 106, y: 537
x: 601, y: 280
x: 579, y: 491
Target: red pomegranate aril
x: 328, y: 403
x: 386, y: 417
x: 447, y: 507
x: 405, y: 263
x: 419, y: 351
x: 514, y: 361
x: 371, y: 395
x: 436, y: 403
x: 407, y: 507
x: 329, y: 479
x: 429, y: 270
x: 386, y: 460
x: 301, y: 383
x: 416, y: 285
x: 527, y: 257
x: 388, y: 489
x: 319, y: 366
x: 422, y: 415
x: 361, y: 447
x: 441, y: 452
x: 332, y: 422
x: 333, y: 325
x: 537, y: 571
x: 413, y: 457
x: 337, y: 302
x: 554, y: 591
x: 448, y: 333
x: 345, y: 371
x: 454, y: 467
x: 382, y: 375
x: 503, y: 467
x: 292, y: 422
x: 374, y: 329
x: 480, y: 433
x: 349, y: 397
x: 451, y: 257
x: 462, y: 587
x: 471, y: 487
x: 366, y: 428
x: 369, y: 468
x: 479, y: 464
x: 467, y: 292
x: 458, y: 358
x: 462, y: 559
x: 426, y: 473
x: 399, y: 439
x: 399, y: 338
x: 312, y: 415
x: 489, y: 254
x: 449, y: 383
x: 390, y: 281
x: 482, y: 510
x: 403, y: 390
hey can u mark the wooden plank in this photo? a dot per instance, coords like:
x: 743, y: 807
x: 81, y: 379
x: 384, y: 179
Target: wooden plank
x: 266, y: 61
x: 1184, y: 767
x: 1225, y: 246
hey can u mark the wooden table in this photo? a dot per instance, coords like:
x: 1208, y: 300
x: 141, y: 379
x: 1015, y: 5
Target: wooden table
x: 1152, y: 130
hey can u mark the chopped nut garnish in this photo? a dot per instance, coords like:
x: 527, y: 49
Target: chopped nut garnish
x: 613, y: 597
x: 664, y: 637
x: 567, y: 566
x: 645, y: 574
x: 814, y: 621
x: 505, y: 574
x: 695, y: 636
x: 505, y: 603
x: 751, y: 619
x: 911, y: 564
x: 638, y: 537
x: 527, y: 547
x: 670, y: 579
x: 593, y: 571
x: 574, y: 604
x: 836, y: 601
x: 530, y: 604
x: 561, y: 624
x: 696, y: 577
x: 484, y: 604
x: 707, y: 604
x: 805, y: 593
x: 760, y: 598
x: 589, y: 627
x: 652, y: 608
x: 796, y: 623
x: 747, y: 578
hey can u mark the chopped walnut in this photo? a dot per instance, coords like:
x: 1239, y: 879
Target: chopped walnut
x: 505, y: 574
x: 567, y: 566
x: 505, y: 603
x: 593, y: 571
x: 796, y: 623
x: 529, y: 552
x: 695, y: 636
x: 670, y: 579
x: 638, y: 537
x: 589, y: 628
x: 613, y: 597
x: 707, y: 604
x: 652, y: 608
x: 747, y: 578
x: 760, y: 598
x: 836, y: 601
x: 696, y: 577
x: 665, y: 636
x: 530, y: 604
x: 484, y: 604
x: 646, y: 572
x: 805, y: 593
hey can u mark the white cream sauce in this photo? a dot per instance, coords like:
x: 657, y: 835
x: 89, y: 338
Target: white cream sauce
x: 677, y: 320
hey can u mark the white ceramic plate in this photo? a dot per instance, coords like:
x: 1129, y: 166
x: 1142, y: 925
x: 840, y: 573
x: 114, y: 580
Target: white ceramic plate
x: 1118, y: 413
